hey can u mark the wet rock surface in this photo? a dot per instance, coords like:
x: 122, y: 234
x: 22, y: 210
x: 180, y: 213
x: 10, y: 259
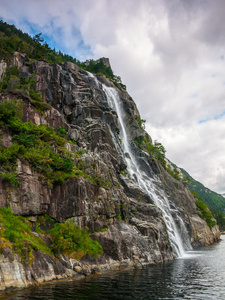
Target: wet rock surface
x: 135, y: 229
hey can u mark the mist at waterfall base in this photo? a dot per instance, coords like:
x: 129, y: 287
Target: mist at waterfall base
x: 200, y: 276
x: 193, y: 275
x: 144, y: 182
x: 139, y: 177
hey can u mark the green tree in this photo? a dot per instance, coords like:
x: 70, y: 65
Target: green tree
x: 37, y: 38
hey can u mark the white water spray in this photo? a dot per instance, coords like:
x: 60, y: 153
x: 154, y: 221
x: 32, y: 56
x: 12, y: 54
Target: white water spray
x: 144, y: 182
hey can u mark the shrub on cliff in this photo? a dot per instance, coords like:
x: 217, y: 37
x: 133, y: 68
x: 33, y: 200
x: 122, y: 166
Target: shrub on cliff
x: 40, y: 145
x: 13, y: 80
x: 9, y: 110
x: 15, y: 233
x: 73, y: 241
x: 203, y: 211
x: 141, y: 122
x: 157, y: 150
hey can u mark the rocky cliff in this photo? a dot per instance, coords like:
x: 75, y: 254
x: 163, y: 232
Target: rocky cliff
x: 102, y: 195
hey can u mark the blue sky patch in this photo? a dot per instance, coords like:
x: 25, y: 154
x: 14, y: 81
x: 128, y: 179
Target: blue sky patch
x: 216, y: 117
x: 219, y: 116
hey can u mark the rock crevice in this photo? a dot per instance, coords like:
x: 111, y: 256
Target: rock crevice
x: 135, y: 232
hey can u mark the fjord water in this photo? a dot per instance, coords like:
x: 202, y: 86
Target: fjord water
x: 199, y: 276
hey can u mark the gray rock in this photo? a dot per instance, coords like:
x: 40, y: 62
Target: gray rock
x: 134, y: 230
x: 78, y: 269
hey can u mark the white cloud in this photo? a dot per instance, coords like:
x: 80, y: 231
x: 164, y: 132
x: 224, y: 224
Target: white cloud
x: 170, y: 54
x: 198, y: 149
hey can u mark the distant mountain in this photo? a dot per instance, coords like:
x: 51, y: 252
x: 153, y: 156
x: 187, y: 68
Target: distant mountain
x: 69, y: 179
x: 212, y: 199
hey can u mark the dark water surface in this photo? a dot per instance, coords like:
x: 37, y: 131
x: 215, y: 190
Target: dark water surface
x: 200, y: 275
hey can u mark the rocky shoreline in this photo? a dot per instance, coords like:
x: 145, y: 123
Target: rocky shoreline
x: 103, y: 196
x: 45, y: 270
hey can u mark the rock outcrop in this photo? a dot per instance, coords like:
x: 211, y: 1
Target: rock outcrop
x: 136, y: 231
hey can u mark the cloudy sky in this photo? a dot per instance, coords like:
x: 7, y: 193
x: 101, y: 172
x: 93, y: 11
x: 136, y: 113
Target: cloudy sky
x: 169, y: 53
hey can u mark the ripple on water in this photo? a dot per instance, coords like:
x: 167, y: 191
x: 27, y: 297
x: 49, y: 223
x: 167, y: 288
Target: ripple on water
x: 198, y: 275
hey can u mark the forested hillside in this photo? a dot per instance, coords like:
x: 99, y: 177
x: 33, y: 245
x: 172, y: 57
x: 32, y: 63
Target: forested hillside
x: 83, y: 188
x: 13, y: 39
x: 216, y: 202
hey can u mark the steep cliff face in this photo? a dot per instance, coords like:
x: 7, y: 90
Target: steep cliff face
x: 135, y: 232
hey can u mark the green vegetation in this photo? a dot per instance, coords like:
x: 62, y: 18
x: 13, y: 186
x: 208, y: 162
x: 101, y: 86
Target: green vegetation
x: 214, y: 201
x: 174, y: 172
x: 73, y: 241
x: 66, y: 238
x: 207, y: 199
x: 13, y: 80
x: 40, y: 145
x: 156, y: 150
x: 186, y: 180
x: 220, y: 219
x: 140, y: 122
x: 61, y: 131
x: 9, y: 110
x: 13, y: 39
x: 98, y: 67
x: 103, y: 229
x: 36, y: 144
x: 10, y: 177
x: 203, y: 210
x: 123, y: 173
x: 97, y: 179
x: 80, y: 152
x: 16, y: 234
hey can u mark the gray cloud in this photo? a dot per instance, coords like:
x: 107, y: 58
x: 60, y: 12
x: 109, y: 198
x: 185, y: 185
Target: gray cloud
x: 170, y: 54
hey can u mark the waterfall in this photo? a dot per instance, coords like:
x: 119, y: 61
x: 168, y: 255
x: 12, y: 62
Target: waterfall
x: 145, y: 183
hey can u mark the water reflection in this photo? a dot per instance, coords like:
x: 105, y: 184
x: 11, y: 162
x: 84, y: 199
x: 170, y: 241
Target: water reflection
x: 200, y: 275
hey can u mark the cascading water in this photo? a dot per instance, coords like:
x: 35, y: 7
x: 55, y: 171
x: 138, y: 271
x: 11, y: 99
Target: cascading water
x: 143, y: 181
